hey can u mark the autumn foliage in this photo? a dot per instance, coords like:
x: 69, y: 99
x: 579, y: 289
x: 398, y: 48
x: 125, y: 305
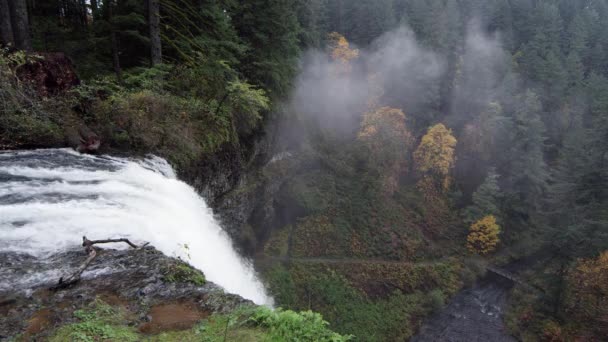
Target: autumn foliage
x: 588, y: 284
x: 384, y: 133
x: 340, y: 51
x: 435, y: 155
x: 483, y: 236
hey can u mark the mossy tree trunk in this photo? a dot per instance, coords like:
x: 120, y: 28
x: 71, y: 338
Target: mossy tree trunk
x: 6, y: 28
x: 21, y: 25
x: 154, y: 22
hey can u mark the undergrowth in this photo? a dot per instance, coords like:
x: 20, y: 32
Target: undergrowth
x: 101, y: 322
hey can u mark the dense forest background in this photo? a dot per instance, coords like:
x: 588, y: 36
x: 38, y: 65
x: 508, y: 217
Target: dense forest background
x: 460, y: 131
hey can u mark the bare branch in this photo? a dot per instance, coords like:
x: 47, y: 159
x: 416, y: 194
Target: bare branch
x: 92, y: 253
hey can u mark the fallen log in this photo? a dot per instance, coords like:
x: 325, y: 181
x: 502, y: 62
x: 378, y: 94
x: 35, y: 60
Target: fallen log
x: 74, y: 278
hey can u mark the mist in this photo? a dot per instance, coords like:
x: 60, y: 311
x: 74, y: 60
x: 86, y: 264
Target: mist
x: 401, y: 73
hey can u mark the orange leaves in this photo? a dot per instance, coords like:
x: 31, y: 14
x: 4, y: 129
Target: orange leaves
x: 592, y: 276
x: 588, y: 299
x: 483, y: 236
x: 384, y: 122
x: 435, y: 154
x: 384, y: 133
x: 341, y: 52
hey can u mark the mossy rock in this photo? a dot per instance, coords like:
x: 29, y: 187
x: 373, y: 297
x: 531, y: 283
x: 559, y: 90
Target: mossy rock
x: 181, y: 272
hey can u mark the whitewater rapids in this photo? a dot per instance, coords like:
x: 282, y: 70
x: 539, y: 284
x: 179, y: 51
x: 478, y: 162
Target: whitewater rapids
x: 49, y: 199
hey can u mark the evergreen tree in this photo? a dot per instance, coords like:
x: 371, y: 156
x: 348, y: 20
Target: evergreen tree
x: 270, y: 29
x: 526, y: 182
x: 486, y: 200
x: 313, y: 19
x: 570, y: 194
x: 366, y: 20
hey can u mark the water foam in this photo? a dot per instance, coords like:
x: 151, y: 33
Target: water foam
x: 50, y: 199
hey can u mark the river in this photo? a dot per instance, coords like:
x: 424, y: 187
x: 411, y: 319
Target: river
x: 474, y: 314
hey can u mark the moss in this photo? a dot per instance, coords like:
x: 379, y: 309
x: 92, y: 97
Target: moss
x: 180, y: 272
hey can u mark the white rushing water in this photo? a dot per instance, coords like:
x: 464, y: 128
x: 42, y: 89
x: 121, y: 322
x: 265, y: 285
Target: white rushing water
x: 49, y: 199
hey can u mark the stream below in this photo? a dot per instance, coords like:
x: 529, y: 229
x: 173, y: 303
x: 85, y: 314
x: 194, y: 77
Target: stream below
x: 474, y: 314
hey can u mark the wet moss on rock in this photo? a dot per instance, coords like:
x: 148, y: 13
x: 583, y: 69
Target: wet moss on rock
x: 181, y: 272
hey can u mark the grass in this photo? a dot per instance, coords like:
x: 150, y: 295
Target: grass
x: 98, y: 322
x: 101, y: 322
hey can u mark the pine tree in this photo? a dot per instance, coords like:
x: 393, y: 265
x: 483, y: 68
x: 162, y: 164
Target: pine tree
x: 313, y: 19
x: 270, y: 29
x: 570, y: 193
x: 486, y: 200
x: 366, y: 20
x: 526, y: 182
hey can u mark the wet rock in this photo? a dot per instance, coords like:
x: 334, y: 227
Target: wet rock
x: 133, y: 279
x: 83, y: 139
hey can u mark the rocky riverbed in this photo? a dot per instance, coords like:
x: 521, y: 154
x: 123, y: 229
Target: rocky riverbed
x: 475, y: 314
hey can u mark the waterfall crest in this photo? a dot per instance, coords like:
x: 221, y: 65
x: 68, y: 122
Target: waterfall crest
x: 49, y: 199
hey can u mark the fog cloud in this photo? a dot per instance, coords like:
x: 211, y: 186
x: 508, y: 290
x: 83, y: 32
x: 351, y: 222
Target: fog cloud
x: 408, y: 75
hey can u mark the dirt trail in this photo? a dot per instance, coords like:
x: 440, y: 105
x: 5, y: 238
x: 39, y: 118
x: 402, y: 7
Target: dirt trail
x: 267, y: 259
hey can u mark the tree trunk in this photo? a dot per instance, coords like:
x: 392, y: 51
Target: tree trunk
x: 84, y: 13
x: 94, y: 9
x: 154, y: 21
x: 6, y: 28
x: 21, y: 26
x: 114, y: 43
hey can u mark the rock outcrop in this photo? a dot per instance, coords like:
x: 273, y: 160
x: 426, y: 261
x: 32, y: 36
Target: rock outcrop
x: 139, y: 281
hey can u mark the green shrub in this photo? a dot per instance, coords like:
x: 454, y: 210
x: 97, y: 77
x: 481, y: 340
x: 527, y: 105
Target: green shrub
x: 25, y: 120
x: 291, y: 326
x: 436, y: 300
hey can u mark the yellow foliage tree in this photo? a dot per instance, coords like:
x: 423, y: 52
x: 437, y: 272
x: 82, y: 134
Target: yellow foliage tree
x: 483, y: 236
x: 340, y: 51
x: 588, y: 287
x: 385, y: 134
x: 435, y: 155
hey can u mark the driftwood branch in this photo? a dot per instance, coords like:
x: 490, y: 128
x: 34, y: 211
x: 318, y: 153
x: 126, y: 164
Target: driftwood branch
x: 64, y: 283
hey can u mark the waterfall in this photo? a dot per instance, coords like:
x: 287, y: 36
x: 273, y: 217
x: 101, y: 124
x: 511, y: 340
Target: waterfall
x: 49, y: 199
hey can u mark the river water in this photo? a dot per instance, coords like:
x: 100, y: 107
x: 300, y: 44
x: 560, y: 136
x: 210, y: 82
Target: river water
x: 49, y: 199
x: 473, y: 315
